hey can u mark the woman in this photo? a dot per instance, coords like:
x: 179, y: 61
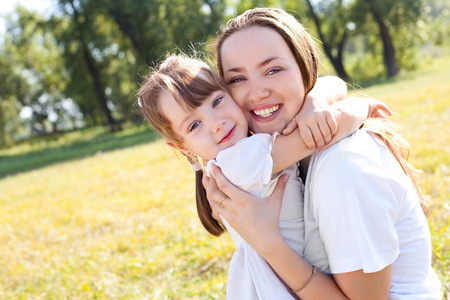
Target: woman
x: 368, y: 230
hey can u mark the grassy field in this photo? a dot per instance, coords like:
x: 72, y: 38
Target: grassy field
x: 97, y: 220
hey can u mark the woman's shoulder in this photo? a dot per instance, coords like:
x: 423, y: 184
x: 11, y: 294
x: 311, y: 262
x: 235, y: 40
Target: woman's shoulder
x: 360, y: 149
x: 361, y: 142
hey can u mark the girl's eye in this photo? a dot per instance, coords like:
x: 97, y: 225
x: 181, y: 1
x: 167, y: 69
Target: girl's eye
x: 273, y: 71
x: 194, y: 125
x: 217, y: 101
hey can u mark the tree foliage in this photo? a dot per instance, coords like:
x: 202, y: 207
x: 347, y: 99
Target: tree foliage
x: 82, y: 64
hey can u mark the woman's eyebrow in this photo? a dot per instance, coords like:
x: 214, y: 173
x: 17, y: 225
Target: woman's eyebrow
x: 267, y: 61
x: 235, y: 70
x: 261, y: 64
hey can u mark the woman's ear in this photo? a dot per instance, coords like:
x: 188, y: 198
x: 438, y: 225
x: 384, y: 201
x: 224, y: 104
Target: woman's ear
x: 180, y: 148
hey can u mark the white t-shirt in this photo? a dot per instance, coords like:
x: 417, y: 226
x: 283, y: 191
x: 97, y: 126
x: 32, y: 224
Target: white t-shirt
x: 362, y: 212
x: 249, y: 165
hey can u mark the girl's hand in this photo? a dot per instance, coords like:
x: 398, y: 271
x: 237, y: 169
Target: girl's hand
x: 316, y: 123
x: 315, y: 120
x: 377, y: 109
x: 318, y: 127
x: 250, y: 216
x: 362, y: 108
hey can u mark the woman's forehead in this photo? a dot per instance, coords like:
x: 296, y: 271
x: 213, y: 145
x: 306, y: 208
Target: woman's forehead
x: 253, y: 45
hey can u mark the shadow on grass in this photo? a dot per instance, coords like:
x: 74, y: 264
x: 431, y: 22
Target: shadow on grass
x: 103, y: 142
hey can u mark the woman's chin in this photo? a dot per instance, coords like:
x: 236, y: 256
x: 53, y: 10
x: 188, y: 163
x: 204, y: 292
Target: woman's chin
x: 267, y: 127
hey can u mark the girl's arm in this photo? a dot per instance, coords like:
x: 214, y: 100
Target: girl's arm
x: 350, y: 113
x: 329, y: 88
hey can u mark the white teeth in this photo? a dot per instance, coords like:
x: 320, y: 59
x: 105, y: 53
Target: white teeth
x: 264, y: 113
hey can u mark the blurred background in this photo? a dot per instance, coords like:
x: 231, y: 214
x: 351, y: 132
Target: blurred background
x: 66, y: 65
x: 93, y: 205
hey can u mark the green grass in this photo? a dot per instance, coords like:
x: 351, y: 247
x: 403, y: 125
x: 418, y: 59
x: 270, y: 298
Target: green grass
x: 55, y: 148
x: 84, y: 218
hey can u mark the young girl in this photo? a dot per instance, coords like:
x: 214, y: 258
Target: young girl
x: 187, y: 103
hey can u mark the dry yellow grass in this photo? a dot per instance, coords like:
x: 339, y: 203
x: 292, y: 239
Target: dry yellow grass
x: 123, y: 224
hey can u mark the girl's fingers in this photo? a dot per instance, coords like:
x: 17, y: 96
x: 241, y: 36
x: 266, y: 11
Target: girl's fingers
x: 384, y: 108
x: 332, y: 124
x: 307, y: 136
x: 317, y: 135
x: 325, y: 130
x: 376, y: 109
x: 290, y: 127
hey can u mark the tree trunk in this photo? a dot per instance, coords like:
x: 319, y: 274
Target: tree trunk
x: 389, y: 51
x: 336, y: 61
x: 99, y: 89
x: 95, y: 74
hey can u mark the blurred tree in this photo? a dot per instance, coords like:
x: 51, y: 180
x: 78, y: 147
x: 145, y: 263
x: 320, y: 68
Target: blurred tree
x: 92, y: 51
x: 156, y: 27
x: 331, y: 21
x: 244, y: 5
x: 115, y: 38
x: 389, y: 51
x: 435, y: 25
x: 147, y: 30
x: 34, y: 75
x: 397, y: 24
x: 10, y: 85
x: 85, y: 44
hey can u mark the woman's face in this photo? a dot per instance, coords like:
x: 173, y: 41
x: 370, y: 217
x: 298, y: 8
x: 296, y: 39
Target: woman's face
x: 263, y: 77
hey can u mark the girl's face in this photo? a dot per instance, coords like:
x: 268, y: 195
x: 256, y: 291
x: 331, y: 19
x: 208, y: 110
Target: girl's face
x: 213, y: 126
x: 263, y: 77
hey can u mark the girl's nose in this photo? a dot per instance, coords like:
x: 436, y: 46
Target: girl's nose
x: 216, y: 123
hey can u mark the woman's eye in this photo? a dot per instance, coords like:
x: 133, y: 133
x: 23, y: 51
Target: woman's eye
x: 273, y: 71
x: 194, y: 125
x: 235, y: 79
x: 217, y: 101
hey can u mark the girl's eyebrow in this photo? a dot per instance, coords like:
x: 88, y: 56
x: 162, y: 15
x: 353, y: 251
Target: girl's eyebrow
x: 261, y: 64
x: 180, y: 125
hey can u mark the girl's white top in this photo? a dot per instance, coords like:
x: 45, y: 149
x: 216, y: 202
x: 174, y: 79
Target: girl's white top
x: 362, y: 212
x: 249, y: 164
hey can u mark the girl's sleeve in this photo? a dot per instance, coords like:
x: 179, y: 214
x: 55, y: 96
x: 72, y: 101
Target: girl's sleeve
x: 249, y: 163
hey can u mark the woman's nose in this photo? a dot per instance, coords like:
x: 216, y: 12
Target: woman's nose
x: 258, y: 91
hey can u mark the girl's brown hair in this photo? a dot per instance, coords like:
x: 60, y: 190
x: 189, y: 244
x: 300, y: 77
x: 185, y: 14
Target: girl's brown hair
x: 190, y: 81
x: 305, y: 52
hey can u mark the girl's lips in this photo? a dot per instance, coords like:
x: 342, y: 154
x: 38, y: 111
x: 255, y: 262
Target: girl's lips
x: 229, y: 135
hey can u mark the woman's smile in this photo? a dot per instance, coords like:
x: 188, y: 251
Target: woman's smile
x: 266, y: 112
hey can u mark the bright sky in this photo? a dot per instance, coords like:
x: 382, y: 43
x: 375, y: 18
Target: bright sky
x: 9, y: 6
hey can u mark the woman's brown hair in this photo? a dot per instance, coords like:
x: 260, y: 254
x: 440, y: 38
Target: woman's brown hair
x: 190, y: 81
